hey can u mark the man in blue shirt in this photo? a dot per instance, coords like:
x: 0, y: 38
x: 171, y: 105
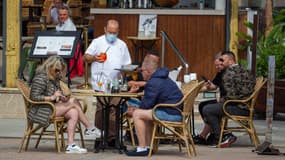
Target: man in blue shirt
x: 159, y: 88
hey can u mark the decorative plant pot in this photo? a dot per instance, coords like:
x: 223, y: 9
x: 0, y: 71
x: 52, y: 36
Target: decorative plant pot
x: 279, y: 98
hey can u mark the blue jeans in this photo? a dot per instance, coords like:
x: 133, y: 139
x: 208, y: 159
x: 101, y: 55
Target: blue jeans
x: 162, y: 115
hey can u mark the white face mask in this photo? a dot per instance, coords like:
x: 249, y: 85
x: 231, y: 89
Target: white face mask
x: 111, y: 38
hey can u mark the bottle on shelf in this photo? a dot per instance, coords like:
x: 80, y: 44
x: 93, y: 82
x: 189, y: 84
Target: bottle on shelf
x: 201, y: 4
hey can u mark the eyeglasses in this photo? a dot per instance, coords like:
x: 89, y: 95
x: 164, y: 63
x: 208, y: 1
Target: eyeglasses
x: 221, y: 59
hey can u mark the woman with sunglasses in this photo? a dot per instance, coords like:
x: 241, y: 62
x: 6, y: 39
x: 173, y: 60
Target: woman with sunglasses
x: 45, y: 86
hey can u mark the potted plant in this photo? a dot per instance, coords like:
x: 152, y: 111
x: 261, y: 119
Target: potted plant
x: 271, y: 44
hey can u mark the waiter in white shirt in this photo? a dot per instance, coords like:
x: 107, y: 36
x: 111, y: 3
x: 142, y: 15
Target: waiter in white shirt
x: 106, y: 53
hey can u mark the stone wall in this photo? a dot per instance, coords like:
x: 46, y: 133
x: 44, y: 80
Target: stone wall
x: 12, y: 104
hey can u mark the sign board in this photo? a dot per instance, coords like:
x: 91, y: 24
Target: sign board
x: 62, y: 43
x: 147, y: 25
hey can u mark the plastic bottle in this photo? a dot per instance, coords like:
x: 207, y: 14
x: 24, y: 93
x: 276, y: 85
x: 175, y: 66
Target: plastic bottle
x: 201, y: 4
x: 139, y: 4
x: 130, y: 3
x: 115, y: 86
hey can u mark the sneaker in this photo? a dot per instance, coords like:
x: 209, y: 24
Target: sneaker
x: 210, y: 139
x: 135, y: 153
x: 93, y: 132
x: 214, y: 143
x: 75, y: 149
x: 228, y: 139
x: 199, y: 140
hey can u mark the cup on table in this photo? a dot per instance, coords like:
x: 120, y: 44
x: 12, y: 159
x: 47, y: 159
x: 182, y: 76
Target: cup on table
x: 124, y: 87
x: 186, y: 78
x: 193, y: 76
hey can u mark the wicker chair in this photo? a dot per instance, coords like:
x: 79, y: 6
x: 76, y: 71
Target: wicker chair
x: 178, y: 130
x: 34, y: 129
x: 129, y: 126
x: 129, y: 122
x: 58, y: 122
x: 245, y: 122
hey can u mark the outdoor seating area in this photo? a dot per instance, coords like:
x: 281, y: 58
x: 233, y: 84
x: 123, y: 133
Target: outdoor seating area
x: 142, y: 79
x: 242, y: 146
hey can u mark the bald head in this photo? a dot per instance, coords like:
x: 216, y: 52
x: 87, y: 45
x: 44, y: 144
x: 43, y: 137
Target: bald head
x: 112, y: 26
x: 152, y: 57
x: 228, y: 58
x: 149, y: 66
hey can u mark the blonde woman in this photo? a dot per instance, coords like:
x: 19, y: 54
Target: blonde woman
x: 45, y: 87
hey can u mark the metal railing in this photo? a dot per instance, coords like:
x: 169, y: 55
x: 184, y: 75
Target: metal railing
x: 165, y: 36
x: 86, y: 84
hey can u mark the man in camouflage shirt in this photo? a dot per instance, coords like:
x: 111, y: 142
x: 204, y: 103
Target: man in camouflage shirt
x: 238, y: 84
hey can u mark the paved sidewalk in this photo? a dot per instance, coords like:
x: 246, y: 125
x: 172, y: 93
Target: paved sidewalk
x: 11, y: 130
x: 46, y: 151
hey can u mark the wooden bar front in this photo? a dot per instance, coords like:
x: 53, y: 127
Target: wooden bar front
x: 197, y: 36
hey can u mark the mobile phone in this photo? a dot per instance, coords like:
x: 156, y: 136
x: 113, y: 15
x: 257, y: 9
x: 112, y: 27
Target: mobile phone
x: 204, y: 78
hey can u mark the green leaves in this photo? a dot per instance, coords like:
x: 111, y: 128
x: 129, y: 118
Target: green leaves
x: 245, y: 39
x: 273, y: 44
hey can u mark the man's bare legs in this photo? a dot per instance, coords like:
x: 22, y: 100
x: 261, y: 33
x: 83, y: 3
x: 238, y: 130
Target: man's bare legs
x: 148, y: 133
x: 143, y: 125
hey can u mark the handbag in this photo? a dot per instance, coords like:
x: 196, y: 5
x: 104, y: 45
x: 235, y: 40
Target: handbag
x: 64, y: 88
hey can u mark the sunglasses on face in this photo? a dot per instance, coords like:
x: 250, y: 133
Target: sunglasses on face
x: 221, y: 60
x: 57, y: 70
